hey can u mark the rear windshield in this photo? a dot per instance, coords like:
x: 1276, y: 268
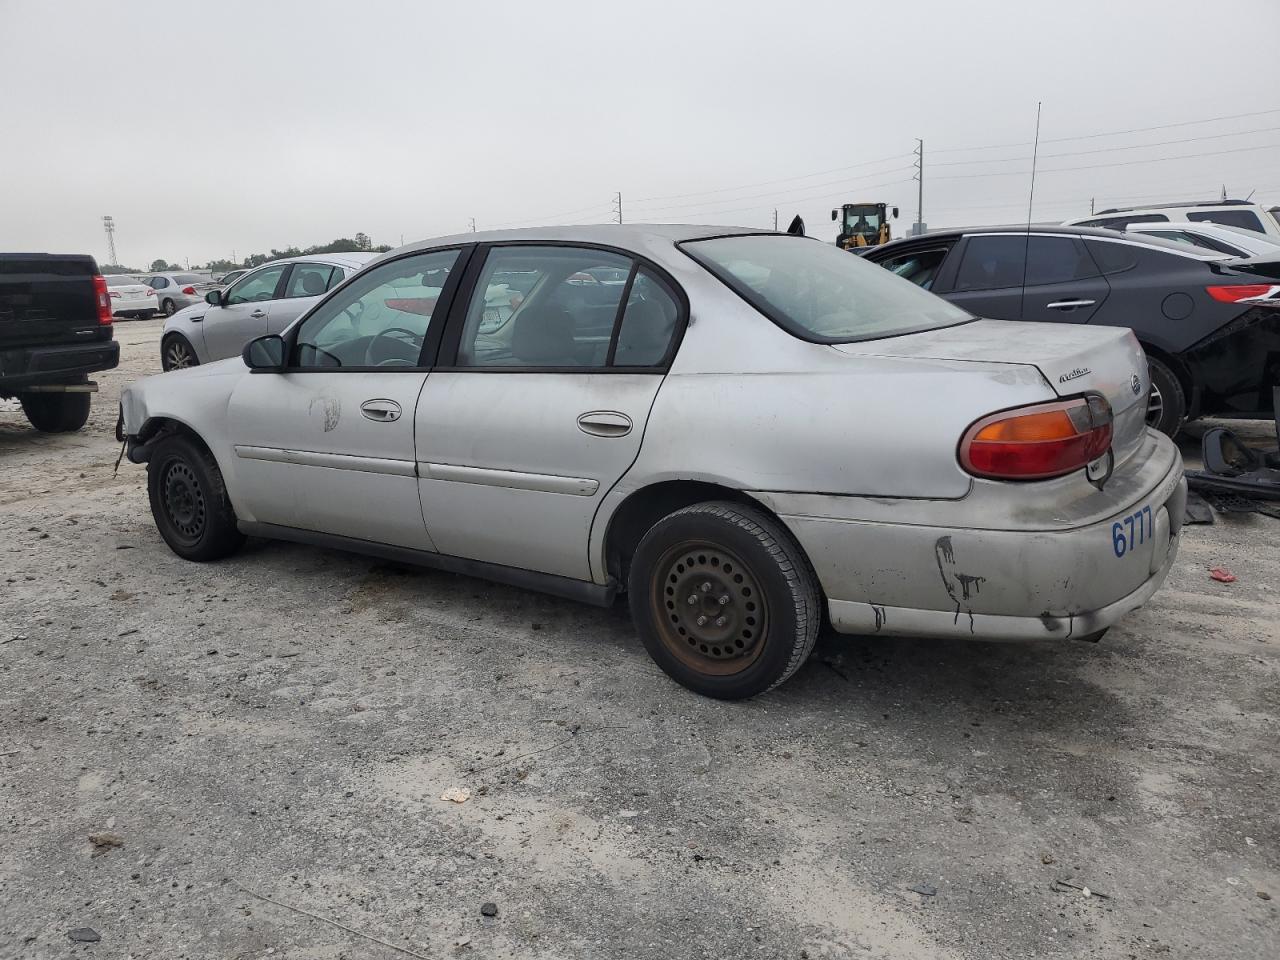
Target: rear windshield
x: 189, y: 278
x: 120, y: 281
x: 819, y: 292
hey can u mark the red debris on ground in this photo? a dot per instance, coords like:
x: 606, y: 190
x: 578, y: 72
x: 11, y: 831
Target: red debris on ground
x: 1222, y: 575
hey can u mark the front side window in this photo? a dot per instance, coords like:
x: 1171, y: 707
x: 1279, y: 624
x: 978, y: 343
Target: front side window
x: 380, y: 319
x: 919, y: 266
x: 256, y: 287
x: 308, y: 280
x: 543, y: 306
x: 1230, y: 218
x: 819, y: 292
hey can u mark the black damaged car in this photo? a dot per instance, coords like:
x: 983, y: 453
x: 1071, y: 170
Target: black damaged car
x: 1210, y: 324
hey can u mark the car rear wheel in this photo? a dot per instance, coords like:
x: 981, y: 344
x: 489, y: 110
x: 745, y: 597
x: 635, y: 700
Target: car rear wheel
x: 724, y: 600
x: 1167, y: 403
x: 189, y: 501
x: 169, y: 308
x: 177, y: 353
x: 56, y: 412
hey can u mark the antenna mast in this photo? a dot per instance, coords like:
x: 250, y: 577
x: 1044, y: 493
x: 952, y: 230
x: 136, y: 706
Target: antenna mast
x: 1031, y: 199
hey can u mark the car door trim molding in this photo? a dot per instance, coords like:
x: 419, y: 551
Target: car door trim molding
x: 509, y: 479
x: 336, y: 461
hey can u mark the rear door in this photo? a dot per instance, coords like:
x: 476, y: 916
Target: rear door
x: 542, y: 406
x: 1063, y: 284
x: 244, y: 312
x: 303, y: 287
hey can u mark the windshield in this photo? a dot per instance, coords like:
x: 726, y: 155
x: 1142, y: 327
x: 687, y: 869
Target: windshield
x: 819, y: 292
x: 862, y: 219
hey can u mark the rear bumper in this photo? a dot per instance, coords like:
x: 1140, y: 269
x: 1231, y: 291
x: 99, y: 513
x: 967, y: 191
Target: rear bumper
x: 62, y: 364
x: 927, y: 573
x: 141, y: 305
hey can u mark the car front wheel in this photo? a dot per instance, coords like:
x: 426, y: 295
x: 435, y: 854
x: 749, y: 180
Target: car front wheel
x: 724, y: 600
x: 189, y: 501
x: 177, y: 353
x: 1167, y: 403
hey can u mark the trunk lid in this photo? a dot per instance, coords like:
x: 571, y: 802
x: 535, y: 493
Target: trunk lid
x: 1073, y: 359
x: 46, y: 299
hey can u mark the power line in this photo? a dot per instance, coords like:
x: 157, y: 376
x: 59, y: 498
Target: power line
x: 1114, y: 133
x: 848, y: 181
x: 1119, y: 163
x: 765, y: 183
x: 820, y: 196
x: 1135, y: 146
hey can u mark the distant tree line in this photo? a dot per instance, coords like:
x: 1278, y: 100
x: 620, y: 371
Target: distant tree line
x: 355, y: 244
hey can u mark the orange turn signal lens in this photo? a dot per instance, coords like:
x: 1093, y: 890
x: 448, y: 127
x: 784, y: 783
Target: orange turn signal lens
x: 1039, y: 442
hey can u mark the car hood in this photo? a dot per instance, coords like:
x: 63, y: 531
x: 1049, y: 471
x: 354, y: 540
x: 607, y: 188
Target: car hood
x: 1073, y: 358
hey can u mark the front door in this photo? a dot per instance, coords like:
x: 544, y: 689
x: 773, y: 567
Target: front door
x: 328, y: 444
x: 243, y: 314
x: 543, y: 405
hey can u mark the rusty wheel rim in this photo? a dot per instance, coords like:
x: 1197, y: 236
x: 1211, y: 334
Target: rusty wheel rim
x: 710, y: 611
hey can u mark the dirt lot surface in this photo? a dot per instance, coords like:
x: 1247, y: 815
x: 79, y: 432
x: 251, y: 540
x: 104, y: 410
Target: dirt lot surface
x: 283, y: 725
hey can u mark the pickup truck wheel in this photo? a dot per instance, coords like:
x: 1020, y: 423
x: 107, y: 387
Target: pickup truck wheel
x: 724, y: 600
x: 1167, y: 403
x: 189, y: 501
x: 56, y: 412
x: 177, y: 353
x: 168, y: 308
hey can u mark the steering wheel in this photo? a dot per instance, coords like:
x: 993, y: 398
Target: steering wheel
x: 412, y: 340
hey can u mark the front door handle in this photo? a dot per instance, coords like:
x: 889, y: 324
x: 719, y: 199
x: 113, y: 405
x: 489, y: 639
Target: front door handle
x: 605, y: 423
x: 1071, y: 304
x: 380, y: 411
x: 258, y: 314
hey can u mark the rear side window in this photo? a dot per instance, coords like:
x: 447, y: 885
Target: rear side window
x: 992, y: 263
x: 918, y: 266
x: 158, y: 283
x: 648, y: 323
x: 308, y: 280
x: 1112, y: 257
x: 336, y: 277
x: 1231, y: 218
x: 818, y: 292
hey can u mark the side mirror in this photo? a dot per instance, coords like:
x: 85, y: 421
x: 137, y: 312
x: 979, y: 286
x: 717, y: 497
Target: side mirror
x: 213, y: 298
x: 835, y: 214
x: 264, y: 354
x: 895, y: 213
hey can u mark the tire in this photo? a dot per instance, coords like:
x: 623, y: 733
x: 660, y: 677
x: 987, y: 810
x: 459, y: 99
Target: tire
x: 176, y: 353
x: 747, y: 572
x: 146, y: 314
x: 168, y: 308
x: 189, y: 501
x: 1167, y: 404
x: 56, y: 412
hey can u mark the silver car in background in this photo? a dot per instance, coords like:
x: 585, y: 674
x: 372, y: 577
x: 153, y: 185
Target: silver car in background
x: 174, y: 291
x: 130, y: 297
x: 263, y: 300
x: 749, y: 434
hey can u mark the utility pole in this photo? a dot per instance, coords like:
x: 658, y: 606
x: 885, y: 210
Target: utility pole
x: 919, y: 178
x: 233, y: 257
x: 775, y: 219
x: 1091, y: 199
x: 617, y: 202
x: 109, y: 224
x: 473, y: 224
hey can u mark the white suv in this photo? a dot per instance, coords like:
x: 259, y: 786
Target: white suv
x: 1228, y: 213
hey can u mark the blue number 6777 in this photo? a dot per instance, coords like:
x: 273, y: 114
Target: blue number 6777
x: 1138, y: 526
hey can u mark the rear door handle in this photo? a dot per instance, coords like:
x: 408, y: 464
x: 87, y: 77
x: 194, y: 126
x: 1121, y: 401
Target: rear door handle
x: 605, y: 423
x: 380, y: 411
x: 1071, y: 304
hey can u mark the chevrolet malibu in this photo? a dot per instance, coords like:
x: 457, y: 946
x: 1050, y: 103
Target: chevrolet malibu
x: 750, y: 433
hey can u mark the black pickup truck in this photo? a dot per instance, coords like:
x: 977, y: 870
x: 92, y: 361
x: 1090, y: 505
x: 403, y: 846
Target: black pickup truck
x: 55, y: 329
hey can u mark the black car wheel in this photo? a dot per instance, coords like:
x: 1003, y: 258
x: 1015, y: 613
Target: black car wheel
x: 56, y: 412
x: 189, y: 501
x: 724, y: 600
x: 1167, y: 402
x: 168, y: 308
x: 177, y: 353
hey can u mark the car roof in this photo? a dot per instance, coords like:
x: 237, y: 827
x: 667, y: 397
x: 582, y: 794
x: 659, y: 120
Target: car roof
x: 629, y: 236
x: 1173, y: 206
x: 1059, y: 229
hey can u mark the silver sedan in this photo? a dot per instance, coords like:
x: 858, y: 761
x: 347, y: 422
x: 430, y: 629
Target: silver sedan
x: 749, y: 434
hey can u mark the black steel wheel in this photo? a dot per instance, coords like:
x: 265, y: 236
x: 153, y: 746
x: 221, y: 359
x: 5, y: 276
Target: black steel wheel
x: 724, y: 599
x: 189, y: 501
x: 177, y: 353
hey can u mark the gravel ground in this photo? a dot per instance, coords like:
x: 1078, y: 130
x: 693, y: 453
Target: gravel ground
x: 283, y: 725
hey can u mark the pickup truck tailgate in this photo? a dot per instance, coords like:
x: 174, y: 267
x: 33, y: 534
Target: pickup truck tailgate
x: 47, y: 299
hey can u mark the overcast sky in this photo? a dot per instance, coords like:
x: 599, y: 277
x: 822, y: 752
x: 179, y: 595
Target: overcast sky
x: 241, y: 126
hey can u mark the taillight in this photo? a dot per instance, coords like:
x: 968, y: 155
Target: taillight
x: 189, y: 291
x: 103, y: 299
x: 1241, y: 291
x: 1038, y: 442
